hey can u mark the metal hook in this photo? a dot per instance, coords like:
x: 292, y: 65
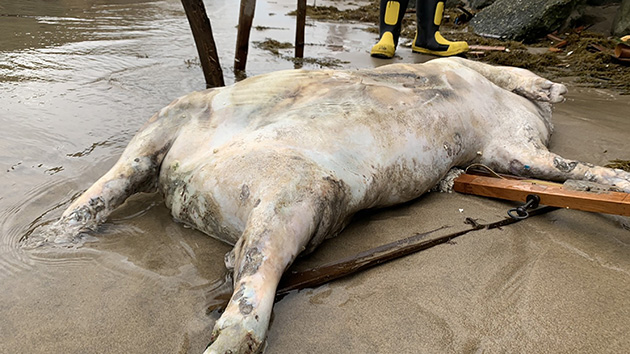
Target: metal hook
x: 520, y: 212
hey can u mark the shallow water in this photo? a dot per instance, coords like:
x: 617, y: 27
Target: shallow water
x: 77, y: 79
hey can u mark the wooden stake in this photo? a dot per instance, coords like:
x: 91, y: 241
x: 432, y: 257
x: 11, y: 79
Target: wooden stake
x: 299, y: 28
x: 204, y: 40
x: 245, y: 19
x: 550, y: 194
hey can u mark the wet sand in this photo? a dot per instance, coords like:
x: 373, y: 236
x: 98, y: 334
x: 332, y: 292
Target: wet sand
x: 553, y: 283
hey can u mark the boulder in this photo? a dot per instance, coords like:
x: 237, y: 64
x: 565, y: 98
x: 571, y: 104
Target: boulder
x: 601, y: 2
x: 448, y: 3
x: 596, y: 18
x: 522, y: 20
x: 480, y: 4
x: 621, y: 23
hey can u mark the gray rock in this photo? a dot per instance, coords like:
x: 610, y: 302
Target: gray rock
x: 601, y: 2
x: 448, y: 3
x: 621, y: 24
x: 480, y: 4
x: 596, y: 18
x: 525, y: 20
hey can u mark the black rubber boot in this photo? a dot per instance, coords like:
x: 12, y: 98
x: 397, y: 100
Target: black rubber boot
x: 391, y: 16
x: 428, y: 39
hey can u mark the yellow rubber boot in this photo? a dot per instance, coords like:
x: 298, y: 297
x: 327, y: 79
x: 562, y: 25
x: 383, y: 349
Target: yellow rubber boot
x: 390, y: 20
x: 453, y: 48
x: 428, y: 38
x: 385, y: 48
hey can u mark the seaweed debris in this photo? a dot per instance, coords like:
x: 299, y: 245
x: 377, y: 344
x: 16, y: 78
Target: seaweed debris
x: 619, y: 164
x: 274, y: 47
x: 365, y: 13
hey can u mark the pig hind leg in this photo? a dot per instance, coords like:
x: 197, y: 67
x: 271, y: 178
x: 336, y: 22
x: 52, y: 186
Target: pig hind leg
x: 276, y: 232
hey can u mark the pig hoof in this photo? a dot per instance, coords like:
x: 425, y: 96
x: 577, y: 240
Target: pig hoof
x: 233, y: 339
x: 57, y: 234
x: 540, y: 89
x: 556, y: 93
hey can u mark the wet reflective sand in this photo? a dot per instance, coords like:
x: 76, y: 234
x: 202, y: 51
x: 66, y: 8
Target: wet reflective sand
x: 77, y: 80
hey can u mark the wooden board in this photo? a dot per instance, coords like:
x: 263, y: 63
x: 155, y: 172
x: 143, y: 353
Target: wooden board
x: 553, y: 195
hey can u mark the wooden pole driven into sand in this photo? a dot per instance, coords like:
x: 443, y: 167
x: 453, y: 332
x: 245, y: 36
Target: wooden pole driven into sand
x: 245, y: 19
x: 299, y: 28
x: 204, y: 40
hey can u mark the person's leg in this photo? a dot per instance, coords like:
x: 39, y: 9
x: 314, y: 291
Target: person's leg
x: 391, y: 16
x: 428, y: 39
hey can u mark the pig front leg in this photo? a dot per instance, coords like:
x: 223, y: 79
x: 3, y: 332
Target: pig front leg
x: 543, y: 164
x: 520, y: 81
x: 136, y: 171
x: 128, y: 176
x: 275, y: 234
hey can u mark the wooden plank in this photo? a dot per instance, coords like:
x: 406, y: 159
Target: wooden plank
x: 554, y: 38
x: 550, y: 194
x: 475, y: 47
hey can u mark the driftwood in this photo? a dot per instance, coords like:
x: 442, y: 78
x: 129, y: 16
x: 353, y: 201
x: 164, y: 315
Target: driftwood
x: 297, y: 280
x: 323, y: 274
x: 487, y: 48
x: 481, y: 50
x: 204, y: 40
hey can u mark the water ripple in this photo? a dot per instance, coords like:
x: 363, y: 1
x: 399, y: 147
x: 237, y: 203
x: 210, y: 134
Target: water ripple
x: 13, y: 228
